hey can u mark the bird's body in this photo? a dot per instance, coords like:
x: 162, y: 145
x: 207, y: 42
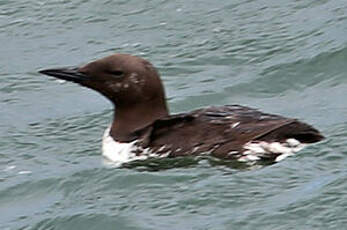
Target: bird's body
x: 143, y: 127
x: 229, y: 132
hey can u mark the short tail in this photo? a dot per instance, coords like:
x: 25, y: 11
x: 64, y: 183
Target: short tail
x: 297, y: 130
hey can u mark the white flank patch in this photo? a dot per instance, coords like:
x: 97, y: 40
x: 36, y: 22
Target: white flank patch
x: 259, y: 150
x: 119, y: 153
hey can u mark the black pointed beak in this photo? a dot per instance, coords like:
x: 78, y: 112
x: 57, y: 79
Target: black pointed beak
x: 68, y: 74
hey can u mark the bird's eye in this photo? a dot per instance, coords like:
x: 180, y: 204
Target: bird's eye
x: 116, y: 73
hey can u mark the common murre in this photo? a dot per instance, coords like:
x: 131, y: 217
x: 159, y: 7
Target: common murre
x: 142, y: 126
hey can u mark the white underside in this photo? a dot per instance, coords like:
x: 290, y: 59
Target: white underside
x: 118, y: 153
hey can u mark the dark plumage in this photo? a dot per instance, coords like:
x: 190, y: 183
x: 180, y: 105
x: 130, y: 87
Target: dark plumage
x: 222, y: 131
x: 133, y: 85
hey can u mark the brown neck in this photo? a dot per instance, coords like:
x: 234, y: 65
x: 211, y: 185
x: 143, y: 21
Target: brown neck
x: 129, y: 119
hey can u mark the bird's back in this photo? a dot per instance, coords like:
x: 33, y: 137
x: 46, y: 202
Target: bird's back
x: 223, y: 131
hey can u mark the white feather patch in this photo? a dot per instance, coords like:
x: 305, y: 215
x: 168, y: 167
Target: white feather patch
x: 259, y: 150
x: 119, y: 153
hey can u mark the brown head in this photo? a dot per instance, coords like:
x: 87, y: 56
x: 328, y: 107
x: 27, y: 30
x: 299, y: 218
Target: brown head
x: 131, y: 83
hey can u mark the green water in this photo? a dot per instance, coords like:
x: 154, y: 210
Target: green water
x: 283, y: 57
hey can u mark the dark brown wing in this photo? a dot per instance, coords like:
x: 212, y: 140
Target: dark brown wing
x: 221, y: 130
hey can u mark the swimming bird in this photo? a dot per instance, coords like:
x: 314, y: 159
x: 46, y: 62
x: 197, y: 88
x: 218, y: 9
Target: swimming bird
x: 142, y: 126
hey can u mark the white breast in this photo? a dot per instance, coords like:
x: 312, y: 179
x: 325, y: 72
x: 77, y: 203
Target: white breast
x: 122, y: 152
x: 118, y: 152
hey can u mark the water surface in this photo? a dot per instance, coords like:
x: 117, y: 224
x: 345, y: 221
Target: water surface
x: 284, y: 57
